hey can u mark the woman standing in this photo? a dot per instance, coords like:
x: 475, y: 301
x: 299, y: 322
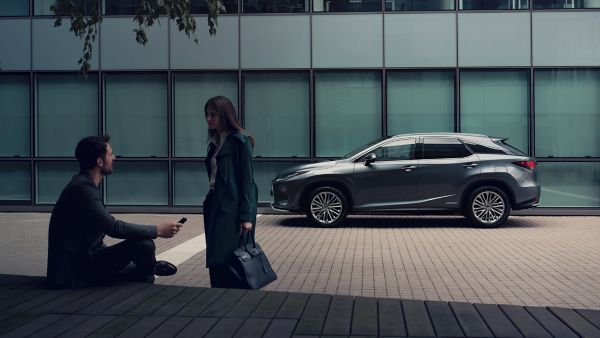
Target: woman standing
x: 230, y: 206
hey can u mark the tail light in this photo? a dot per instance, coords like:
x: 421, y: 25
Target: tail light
x: 526, y: 164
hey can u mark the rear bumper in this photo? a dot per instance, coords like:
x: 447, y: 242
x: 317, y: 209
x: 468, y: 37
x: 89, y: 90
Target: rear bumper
x: 527, y: 197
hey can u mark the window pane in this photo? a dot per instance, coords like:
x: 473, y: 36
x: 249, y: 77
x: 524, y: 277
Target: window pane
x: 67, y: 111
x: 420, y: 102
x: 136, y: 114
x: 201, y: 7
x: 274, y: 6
x: 191, y: 183
x: 264, y: 173
x: 138, y: 184
x: 14, y: 8
x: 444, y: 148
x: 493, y: 4
x: 347, y: 5
x: 274, y: 102
x: 419, y: 5
x: 567, y: 112
x: 14, y: 119
x: 496, y: 103
x: 348, y: 111
x: 191, y: 91
x: 396, y: 151
x: 120, y: 7
x: 15, y: 181
x: 545, y: 4
x: 52, y: 177
x: 42, y: 7
x: 573, y: 184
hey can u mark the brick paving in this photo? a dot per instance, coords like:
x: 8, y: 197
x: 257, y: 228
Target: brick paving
x: 533, y: 261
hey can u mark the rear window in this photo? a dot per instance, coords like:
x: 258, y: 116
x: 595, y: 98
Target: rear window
x: 481, y: 149
x: 510, y: 148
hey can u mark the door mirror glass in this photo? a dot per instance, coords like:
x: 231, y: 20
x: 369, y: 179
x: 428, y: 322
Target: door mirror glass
x: 370, y: 158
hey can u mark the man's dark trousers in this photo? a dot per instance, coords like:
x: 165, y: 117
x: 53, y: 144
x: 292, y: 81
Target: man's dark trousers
x: 112, y: 263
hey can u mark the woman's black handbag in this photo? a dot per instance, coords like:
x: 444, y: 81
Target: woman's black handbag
x: 250, y: 265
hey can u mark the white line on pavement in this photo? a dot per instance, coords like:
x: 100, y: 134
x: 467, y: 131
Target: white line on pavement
x: 185, y: 250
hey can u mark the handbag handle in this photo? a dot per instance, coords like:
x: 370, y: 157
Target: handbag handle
x: 244, y: 241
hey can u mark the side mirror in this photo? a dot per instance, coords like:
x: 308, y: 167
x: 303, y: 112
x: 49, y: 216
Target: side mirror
x: 370, y: 158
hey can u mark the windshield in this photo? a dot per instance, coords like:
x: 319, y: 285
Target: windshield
x: 363, y: 147
x: 510, y: 148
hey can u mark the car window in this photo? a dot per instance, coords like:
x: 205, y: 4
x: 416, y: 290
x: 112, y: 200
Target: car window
x: 396, y: 151
x: 481, y: 149
x: 363, y: 147
x: 444, y: 148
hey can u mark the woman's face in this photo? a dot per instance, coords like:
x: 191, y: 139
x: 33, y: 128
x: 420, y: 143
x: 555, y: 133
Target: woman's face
x: 213, y: 119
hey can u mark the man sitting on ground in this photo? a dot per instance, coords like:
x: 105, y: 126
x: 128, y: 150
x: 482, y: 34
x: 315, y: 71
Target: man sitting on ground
x: 77, y: 255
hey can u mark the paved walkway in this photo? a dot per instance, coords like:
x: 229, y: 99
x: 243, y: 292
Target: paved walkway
x: 142, y: 310
x: 532, y: 261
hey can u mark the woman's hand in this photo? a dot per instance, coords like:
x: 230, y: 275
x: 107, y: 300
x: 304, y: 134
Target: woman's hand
x: 246, y: 226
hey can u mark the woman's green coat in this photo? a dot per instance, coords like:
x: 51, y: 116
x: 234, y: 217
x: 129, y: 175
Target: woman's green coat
x: 233, y: 199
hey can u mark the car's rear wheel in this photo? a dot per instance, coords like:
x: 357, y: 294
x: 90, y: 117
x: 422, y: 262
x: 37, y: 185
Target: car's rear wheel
x: 488, y: 207
x: 326, y: 207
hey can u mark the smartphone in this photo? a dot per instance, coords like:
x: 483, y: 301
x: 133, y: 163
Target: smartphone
x: 183, y: 220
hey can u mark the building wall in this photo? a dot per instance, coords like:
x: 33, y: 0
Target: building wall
x: 309, y: 84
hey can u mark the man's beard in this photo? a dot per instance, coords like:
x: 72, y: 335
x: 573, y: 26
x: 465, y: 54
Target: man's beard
x: 105, y: 171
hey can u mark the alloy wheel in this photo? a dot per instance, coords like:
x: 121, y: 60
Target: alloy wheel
x: 488, y: 207
x: 326, y: 207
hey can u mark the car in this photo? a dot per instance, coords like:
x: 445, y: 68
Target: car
x: 478, y: 176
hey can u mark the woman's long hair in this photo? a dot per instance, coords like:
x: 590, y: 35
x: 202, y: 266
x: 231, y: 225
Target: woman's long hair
x: 227, y: 117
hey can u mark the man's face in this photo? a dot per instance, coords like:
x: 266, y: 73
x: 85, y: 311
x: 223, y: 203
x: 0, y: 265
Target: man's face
x: 107, y: 164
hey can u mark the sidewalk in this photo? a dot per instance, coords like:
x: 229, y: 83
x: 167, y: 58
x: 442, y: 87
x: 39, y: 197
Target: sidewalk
x: 142, y: 310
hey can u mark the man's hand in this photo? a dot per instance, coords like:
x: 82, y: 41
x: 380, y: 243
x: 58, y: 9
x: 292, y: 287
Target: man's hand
x: 246, y: 226
x: 168, y: 229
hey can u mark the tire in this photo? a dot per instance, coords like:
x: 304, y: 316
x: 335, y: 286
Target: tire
x: 326, y: 207
x: 487, y: 207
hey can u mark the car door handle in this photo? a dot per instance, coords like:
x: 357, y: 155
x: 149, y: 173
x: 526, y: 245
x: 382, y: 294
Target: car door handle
x: 409, y: 168
x: 470, y: 165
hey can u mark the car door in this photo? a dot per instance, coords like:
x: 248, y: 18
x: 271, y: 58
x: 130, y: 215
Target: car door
x: 445, y: 169
x: 389, y: 182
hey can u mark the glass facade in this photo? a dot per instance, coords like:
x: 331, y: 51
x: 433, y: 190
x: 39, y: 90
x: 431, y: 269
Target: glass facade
x: 315, y: 86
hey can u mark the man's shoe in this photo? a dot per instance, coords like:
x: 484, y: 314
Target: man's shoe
x: 164, y: 268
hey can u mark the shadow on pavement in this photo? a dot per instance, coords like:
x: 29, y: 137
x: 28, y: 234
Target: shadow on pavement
x: 406, y: 222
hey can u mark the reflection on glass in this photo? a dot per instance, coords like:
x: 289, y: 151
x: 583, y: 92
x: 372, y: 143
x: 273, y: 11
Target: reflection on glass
x: 136, y: 114
x: 567, y: 112
x: 42, y: 7
x: 419, y: 5
x: 52, y: 177
x: 14, y: 8
x: 190, y: 183
x: 347, y: 109
x: 201, y: 7
x: 493, y: 4
x: 276, y: 107
x: 275, y: 6
x: 139, y: 183
x: 14, y: 115
x: 191, y: 91
x: 120, y: 7
x: 67, y: 111
x: 572, y: 184
x: 347, y: 5
x: 15, y: 181
x: 568, y: 4
x: 420, y: 101
x: 496, y: 103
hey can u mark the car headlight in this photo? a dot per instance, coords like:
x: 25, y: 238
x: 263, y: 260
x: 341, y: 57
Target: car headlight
x: 288, y: 176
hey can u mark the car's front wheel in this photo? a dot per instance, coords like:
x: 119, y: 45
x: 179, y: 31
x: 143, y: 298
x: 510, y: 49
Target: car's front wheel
x: 488, y: 207
x: 326, y: 207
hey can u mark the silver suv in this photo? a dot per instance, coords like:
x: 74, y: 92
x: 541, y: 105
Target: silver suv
x: 478, y: 176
